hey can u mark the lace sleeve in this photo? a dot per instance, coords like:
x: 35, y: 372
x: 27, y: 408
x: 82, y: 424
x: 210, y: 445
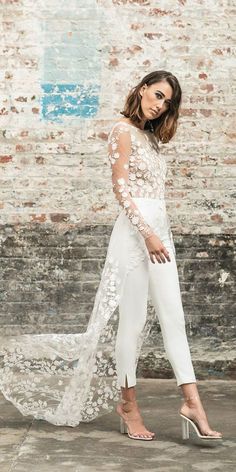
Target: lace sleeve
x: 119, y: 149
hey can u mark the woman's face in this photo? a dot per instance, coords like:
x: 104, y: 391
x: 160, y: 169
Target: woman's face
x: 155, y: 99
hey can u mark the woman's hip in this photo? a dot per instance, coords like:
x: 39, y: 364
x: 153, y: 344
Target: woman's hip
x: 153, y: 211
x: 154, y: 214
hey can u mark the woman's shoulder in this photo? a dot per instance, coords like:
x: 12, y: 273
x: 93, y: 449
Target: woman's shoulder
x: 122, y: 120
x: 119, y: 125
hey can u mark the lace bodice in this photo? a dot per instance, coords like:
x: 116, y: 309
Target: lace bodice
x: 138, y: 170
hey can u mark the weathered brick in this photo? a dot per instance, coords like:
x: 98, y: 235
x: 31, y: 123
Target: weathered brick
x: 56, y: 202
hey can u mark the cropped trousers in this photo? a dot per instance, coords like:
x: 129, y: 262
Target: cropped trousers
x: 161, y: 282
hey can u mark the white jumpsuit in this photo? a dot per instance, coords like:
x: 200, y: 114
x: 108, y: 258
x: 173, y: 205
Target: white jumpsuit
x: 138, y: 176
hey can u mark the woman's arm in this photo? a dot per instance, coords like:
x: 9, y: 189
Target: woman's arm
x: 119, y: 149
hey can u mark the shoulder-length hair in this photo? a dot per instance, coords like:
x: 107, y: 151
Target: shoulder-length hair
x: 164, y: 127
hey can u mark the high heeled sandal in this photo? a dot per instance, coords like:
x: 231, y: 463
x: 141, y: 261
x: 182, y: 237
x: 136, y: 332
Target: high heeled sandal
x: 124, y: 427
x: 186, y: 421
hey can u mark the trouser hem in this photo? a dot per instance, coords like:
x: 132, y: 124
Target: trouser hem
x: 131, y: 380
x: 186, y: 381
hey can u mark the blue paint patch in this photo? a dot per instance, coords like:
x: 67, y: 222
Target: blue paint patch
x: 71, y: 72
x: 61, y: 100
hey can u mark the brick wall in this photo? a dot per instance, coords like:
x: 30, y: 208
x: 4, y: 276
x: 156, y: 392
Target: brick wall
x: 64, y: 75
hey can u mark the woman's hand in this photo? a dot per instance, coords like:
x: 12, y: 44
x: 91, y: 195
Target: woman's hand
x: 156, y: 249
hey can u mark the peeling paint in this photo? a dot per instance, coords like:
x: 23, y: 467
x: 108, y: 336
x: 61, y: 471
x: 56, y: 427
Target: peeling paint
x: 71, y: 65
x: 223, y: 277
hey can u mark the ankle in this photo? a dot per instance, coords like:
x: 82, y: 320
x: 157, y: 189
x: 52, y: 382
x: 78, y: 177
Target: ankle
x: 192, y: 400
x: 191, y: 397
x: 127, y: 399
x: 129, y: 403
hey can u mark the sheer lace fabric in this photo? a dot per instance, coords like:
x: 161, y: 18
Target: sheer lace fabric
x: 66, y: 379
x: 138, y: 170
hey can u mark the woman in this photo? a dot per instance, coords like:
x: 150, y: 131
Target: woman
x: 138, y: 173
x: 66, y: 379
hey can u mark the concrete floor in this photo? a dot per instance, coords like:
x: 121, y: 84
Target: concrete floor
x: 33, y: 445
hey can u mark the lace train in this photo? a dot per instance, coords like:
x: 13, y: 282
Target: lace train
x: 66, y: 379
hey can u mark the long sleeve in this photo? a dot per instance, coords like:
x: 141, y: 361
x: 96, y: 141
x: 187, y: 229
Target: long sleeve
x: 119, y: 150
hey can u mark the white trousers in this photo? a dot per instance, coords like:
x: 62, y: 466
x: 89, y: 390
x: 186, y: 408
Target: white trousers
x: 161, y: 282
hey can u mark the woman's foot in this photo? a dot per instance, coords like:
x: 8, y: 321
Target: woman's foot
x: 129, y: 411
x: 193, y: 409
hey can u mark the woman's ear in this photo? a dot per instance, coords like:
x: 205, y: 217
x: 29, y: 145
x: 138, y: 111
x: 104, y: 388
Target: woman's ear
x: 142, y: 89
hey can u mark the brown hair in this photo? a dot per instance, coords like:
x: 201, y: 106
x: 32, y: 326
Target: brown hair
x: 164, y: 127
